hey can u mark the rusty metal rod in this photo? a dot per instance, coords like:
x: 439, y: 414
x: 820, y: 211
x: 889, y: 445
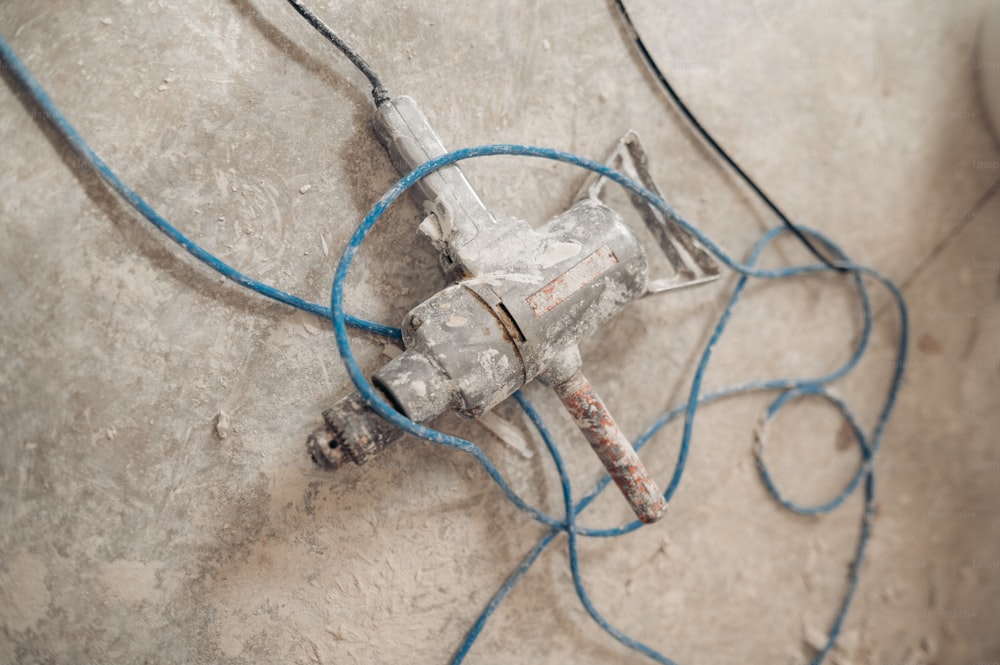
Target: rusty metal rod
x: 614, y: 450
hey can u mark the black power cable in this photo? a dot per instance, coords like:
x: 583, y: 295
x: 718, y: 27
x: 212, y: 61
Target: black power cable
x: 669, y: 89
x: 379, y: 92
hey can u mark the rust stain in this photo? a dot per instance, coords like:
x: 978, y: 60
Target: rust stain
x: 845, y: 436
x: 557, y: 291
x: 612, y: 447
x: 929, y: 344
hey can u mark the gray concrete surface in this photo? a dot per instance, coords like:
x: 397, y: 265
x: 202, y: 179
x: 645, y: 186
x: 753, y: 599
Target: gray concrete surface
x: 130, y: 531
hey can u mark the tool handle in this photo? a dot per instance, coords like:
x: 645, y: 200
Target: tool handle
x: 463, y: 225
x: 612, y: 447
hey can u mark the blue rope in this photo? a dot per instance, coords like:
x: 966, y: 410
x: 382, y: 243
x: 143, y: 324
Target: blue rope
x: 23, y: 76
x: 788, y: 389
x: 792, y: 387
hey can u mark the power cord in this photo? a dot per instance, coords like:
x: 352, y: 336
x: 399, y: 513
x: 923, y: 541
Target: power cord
x: 707, y: 137
x: 379, y: 92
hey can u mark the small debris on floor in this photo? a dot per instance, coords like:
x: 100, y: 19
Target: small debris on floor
x: 929, y: 344
x: 886, y: 593
x: 305, y: 188
x: 308, y: 326
x: 506, y: 432
x: 222, y: 424
x: 814, y: 638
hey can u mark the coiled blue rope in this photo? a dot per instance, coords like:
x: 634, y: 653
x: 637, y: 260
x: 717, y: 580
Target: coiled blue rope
x: 792, y: 387
x: 788, y: 389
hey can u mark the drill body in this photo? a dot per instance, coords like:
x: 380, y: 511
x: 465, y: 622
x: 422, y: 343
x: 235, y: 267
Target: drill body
x: 520, y: 301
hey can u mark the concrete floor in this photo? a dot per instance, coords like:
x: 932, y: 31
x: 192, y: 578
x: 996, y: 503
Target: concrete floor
x: 130, y: 531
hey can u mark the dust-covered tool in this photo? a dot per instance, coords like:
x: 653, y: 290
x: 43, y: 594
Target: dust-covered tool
x: 520, y: 301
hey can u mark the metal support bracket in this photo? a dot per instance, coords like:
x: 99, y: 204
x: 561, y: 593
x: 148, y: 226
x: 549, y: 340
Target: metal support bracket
x: 691, y: 263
